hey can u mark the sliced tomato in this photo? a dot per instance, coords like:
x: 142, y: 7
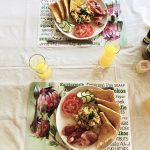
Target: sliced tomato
x: 71, y: 104
x: 83, y: 30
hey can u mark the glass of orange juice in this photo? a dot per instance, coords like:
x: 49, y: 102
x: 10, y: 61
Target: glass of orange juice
x: 111, y: 48
x: 38, y: 63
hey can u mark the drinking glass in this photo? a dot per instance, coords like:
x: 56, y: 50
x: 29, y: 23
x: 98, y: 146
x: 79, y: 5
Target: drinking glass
x: 110, y: 51
x: 38, y: 63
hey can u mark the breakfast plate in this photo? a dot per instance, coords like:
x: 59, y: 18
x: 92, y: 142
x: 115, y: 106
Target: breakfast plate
x: 100, y: 130
x: 75, y: 19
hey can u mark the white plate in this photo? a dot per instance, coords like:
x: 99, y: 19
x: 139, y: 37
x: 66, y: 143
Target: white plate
x: 97, y: 28
x: 62, y: 120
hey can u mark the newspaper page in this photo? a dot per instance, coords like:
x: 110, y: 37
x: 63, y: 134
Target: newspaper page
x: 50, y: 36
x: 53, y: 140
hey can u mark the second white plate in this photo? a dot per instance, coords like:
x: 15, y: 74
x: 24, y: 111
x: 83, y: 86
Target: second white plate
x: 97, y: 28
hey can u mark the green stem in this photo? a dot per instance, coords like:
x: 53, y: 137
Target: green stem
x: 54, y: 138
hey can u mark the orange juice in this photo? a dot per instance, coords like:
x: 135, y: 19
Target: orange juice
x: 41, y: 67
x: 44, y: 71
x: 47, y: 74
x: 108, y: 55
x: 39, y: 64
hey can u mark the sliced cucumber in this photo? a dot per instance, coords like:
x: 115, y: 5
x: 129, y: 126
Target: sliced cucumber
x: 79, y: 94
x: 66, y: 28
x: 72, y: 25
x: 63, y: 24
x: 84, y: 99
x: 88, y: 93
x: 83, y: 93
x: 70, y: 29
x: 88, y: 98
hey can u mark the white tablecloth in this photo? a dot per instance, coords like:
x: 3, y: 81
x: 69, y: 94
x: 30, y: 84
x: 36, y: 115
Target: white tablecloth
x: 18, y: 41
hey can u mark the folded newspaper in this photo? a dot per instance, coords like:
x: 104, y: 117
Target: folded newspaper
x: 50, y: 36
x: 37, y: 136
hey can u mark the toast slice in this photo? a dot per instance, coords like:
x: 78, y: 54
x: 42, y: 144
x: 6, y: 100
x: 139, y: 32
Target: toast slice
x: 107, y: 132
x: 112, y: 116
x: 107, y: 95
x: 66, y: 7
x: 61, y: 8
x: 56, y: 12
x: 112, y: 105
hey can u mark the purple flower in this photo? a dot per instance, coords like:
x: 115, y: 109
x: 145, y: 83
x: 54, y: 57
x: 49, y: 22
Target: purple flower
x: 48, y: 100
x: 110, y: 32
x: 42, y: 129
x: 114, y: 9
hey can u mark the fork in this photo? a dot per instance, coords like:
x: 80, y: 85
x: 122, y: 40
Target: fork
x: 36, y: 94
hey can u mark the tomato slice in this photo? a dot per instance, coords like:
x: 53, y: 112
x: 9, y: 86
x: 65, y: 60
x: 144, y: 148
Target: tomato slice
x: 83, y: 30
x: 71, y: 104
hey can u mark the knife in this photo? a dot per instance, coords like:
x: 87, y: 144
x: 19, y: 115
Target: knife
x: 74, y: 42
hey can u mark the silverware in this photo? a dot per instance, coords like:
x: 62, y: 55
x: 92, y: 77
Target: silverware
x: 74, y: 42
x: 69, y: 88
x: 36, y: 94
x: 108, y: 88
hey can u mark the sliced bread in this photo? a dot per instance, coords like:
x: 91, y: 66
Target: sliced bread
x: 107, y: 95
x: 107, y: 132
x: 61, y: 9
x: 56, y: 12
x: 112, y: 105
x: 112, y: 116
x: 66, y: 7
